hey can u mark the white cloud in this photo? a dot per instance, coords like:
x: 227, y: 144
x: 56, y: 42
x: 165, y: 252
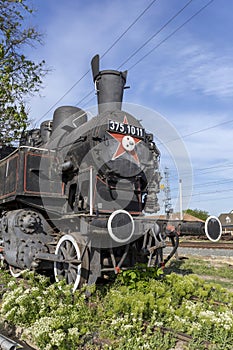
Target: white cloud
x: 198, y: 68
x: 75, y: 32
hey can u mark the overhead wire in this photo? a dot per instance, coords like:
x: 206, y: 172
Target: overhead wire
x: 171, y: 34
x: 218, y: 167
x: 206, y: 184
x: 128, y: 28
x: 216, y: 188
x: 213, y: 184
x: 201, y: 194
x: 143, y: 45
x: 207, y: 200
x: 159, y: 44
x: 61, y: 98
x: 155, y: 34
x: 140, y: 48
x: 140, y: 60
x: 196, y: 132
x: 209, y: 170
x: 165, y: 39
x: 105, y: 53
x: 211, y: 192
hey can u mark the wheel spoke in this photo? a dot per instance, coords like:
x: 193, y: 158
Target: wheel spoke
x: 73, y: 274
x: 73, y: 253
x: 70, y: 267
x: 74, y: 266
x: 63, y: 251
x: 68, y: 246
x: 70, y: 278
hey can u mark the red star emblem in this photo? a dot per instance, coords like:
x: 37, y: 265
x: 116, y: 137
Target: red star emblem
x: 127, y: 144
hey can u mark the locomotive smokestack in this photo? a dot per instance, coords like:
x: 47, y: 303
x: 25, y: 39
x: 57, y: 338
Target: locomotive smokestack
x: 109, y: 85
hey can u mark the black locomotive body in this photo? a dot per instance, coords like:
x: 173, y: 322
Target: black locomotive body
x: 74, y: 195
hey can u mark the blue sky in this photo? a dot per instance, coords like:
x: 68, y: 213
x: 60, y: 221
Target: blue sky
x: 187, y: 80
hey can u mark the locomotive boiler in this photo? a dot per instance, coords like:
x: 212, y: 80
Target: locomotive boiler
x: 76, y: 194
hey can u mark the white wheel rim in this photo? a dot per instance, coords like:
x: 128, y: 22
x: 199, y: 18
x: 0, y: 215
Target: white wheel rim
x: 110, y: 231
x: 60, y: 244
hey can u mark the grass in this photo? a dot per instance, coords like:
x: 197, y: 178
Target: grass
x: 211, y: 270
x: 129, y: 313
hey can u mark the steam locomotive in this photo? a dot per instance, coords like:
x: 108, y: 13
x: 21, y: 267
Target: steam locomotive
x: 76, y: 194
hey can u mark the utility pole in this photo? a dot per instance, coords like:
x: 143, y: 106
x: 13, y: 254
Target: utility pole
x: 181, y: 200
x: 167, y: 191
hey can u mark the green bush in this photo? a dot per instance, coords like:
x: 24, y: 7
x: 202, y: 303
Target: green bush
x: 128, y: 314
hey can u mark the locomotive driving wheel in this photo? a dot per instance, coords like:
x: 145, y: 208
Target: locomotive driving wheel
x: 74, y: 264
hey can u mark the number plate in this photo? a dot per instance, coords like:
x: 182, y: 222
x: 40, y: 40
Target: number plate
x: 126, y: 129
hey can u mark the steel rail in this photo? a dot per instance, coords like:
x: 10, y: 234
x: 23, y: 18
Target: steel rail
x: 204, y: 245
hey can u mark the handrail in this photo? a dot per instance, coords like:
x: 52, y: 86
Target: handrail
x: 91, y: 190
x: 30, y: 147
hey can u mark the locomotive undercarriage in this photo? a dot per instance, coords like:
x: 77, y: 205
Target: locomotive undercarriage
x: 81, y: 254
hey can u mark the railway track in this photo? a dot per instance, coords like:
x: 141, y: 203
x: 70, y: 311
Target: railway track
x: 217, y: 250
x: 7, y: 343
x: 205, y: 245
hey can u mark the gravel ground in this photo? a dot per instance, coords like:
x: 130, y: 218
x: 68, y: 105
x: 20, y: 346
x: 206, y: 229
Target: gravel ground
x: 224, y: 255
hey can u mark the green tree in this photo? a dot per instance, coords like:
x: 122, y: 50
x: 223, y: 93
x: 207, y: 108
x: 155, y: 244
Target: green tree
x: 200, y: 214
x: 20, y: 77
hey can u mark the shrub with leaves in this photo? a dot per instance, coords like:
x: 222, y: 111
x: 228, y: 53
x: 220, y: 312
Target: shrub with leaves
x: 130, y: 313
x: 19, y: 76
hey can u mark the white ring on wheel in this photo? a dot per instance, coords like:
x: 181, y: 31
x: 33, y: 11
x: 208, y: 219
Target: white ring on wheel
x: 110, y: 231
x: 77, y: 249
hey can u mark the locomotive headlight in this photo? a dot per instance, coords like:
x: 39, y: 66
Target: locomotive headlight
x: 121, y: 226
x: 128, y: 143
